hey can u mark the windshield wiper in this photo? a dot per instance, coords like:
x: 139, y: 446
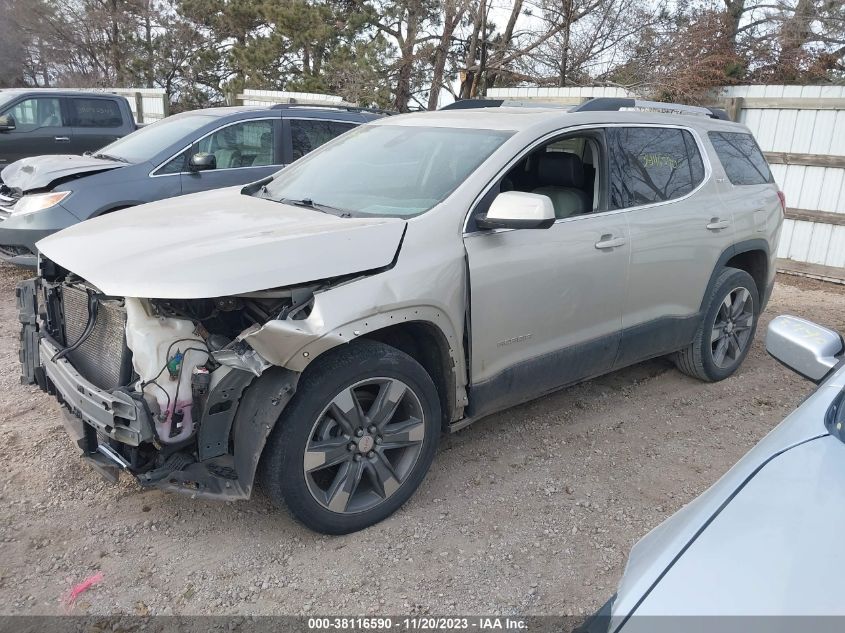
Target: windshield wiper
x: 308, y: 203
x: 110, y: 157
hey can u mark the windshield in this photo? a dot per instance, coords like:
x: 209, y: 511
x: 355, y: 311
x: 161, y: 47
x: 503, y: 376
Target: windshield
x: 148, y: 142
x: 386, y: 170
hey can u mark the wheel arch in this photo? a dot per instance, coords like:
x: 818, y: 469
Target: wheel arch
x: 425, y: 343
x: 423, y: 332
x: 752, y: 256
x: 113, y: 208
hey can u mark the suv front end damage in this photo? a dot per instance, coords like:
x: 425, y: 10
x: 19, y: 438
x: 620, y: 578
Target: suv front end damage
x: 163, y: 389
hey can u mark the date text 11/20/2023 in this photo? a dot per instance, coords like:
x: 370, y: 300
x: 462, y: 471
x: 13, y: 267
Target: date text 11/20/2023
x: 423, y: 623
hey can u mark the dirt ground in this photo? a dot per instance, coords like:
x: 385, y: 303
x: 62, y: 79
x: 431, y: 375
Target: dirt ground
x: 531, y: 511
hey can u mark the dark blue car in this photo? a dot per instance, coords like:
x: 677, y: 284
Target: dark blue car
x: 185, y: 153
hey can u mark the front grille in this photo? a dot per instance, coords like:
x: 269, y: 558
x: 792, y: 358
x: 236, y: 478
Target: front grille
x: 8, y: 197
x: 10, y: 250
x: 103, y: 358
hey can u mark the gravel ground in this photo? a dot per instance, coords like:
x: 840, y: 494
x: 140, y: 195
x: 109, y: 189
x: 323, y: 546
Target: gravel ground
x: 531, y: 511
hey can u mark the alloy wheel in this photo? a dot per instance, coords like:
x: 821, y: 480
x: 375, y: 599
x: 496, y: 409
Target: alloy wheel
x: 364, y: 445
x: 732, y: 327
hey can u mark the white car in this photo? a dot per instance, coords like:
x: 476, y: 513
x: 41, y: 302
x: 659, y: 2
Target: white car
x: 763, y: 541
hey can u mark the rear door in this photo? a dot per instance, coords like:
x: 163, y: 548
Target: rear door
x: 245, y: 151
x: 96, y: 121
x: 679, y: 229
x: 40, y: 128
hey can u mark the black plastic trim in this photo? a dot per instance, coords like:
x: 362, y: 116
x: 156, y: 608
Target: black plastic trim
x: 655, y: 338
x: 535, y: 377
x: 745, y: 246
x: 483, y: 222
x: 471, y: 104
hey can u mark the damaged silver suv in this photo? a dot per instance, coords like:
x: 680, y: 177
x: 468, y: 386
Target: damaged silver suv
x: 318, y: 330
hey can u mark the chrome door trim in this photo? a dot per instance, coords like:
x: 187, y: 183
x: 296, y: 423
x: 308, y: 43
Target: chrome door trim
x: 705, y: 158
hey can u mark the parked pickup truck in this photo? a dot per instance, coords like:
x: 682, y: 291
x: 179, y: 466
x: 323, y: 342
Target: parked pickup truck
x: 42, y: 121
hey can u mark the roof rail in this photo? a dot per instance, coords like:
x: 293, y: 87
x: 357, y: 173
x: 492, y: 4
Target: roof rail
x: 330, y: 106
x: 471, y: 104
x: 607, y: 104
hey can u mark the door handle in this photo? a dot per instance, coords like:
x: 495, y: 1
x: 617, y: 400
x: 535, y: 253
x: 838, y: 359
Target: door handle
x: 717, y: 225
x: 608, y: 241
x: 62, y: 139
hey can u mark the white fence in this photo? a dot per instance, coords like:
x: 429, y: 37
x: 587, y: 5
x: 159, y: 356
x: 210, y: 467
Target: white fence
x: 148, y: 104
x: 801, y: 129
x: 265, y: 97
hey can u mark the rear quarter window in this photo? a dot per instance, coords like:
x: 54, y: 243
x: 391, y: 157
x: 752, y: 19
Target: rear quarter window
x: 741, y: 158
x: 651, y: 164
x: 306, y: 135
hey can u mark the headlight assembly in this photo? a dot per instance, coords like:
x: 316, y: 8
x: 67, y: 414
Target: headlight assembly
x: 38, y: 201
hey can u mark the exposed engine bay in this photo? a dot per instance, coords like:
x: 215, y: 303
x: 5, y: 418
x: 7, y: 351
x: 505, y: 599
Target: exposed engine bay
x: 154, y: 385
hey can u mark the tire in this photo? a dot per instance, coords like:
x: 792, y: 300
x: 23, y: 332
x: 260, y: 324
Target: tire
x: 722, y: 339
x: 336, y: 468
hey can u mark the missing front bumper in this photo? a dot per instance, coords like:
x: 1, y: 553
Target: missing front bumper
x: 114, y: 414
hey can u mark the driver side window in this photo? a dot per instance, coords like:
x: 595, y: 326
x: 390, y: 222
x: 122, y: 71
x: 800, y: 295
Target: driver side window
x: 566, y: 169
x: 32, y: 114
x: 247, y: 144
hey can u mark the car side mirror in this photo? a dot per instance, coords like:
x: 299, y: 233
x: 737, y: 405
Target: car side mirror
x: 202, y: 162
x: 518, y: 210
x: 805, y: 347
x: 7, y: 122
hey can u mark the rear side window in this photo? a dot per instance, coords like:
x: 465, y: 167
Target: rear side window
x: 651, y: 164
x: 95, y: 113
x: 741, y: 157
x: 308, y: 135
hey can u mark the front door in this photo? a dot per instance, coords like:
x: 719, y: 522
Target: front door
x: 245, y: 152
x: 546, y: 304
x: 39, y: 129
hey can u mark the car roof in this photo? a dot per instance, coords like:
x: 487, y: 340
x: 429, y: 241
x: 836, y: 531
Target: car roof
x: 523, y: 118
x: 297, y: 111
x: 58, y: 92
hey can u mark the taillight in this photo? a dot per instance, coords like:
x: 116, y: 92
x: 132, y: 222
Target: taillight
x: 782, y: 197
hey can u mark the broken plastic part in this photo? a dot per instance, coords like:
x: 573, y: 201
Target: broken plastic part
x: 243, y: 357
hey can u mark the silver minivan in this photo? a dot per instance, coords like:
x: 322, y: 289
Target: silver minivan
x: 319, y: 329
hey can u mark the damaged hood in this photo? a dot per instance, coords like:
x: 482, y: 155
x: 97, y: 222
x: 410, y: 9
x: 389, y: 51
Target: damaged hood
x: 39, y: 172
x: 219, y: 243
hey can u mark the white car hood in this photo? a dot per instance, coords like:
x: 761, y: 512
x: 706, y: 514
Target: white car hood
x: 219, y: 243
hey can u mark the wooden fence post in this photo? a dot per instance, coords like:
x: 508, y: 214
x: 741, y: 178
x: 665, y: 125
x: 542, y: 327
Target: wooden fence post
x: 734, y: 107
x: 139, y: 107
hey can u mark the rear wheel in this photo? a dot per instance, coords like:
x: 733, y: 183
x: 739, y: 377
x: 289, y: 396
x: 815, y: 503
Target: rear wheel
x: 726, y: 332
x: 357, y: 439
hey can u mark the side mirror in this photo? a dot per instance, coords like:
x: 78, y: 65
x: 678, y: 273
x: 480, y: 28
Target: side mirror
x: 202, y: 162
x: 805, y: 347
x: 7, y: 122
x: 518, y: 210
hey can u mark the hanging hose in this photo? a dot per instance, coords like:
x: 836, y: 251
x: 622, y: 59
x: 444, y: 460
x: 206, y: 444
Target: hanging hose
x: 93, y: 307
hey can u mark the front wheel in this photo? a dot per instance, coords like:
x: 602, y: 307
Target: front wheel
x: 356, y: 440
x: 724, y: 335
